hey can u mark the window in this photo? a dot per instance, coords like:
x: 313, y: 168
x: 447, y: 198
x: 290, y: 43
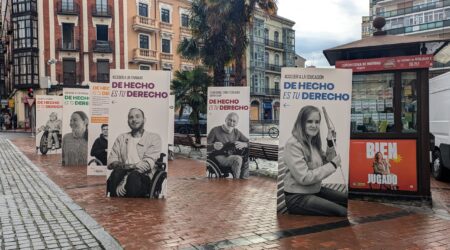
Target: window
x: 102, y: 32
x: 184, y: 20
x: 102, y: 71
x: 144, y: 67
x: 25, y: 68
x: 101, y: 6
x: 277, y: 59
x: 143, y: 9
x: 409, y: 102
x: 165, y: 46
x: 69, y: 72
x: 266, y: 34
x: 165, y: 15
x: 277, y: 86
x: 25, y: 32
x: 67, y: 5
x: 276, y: 36
x: 144, y: 42
x: 23, y: 6
x: 266, y: 83
x: 266, y: 57
x: 373, y: 103
x: 67, y: 36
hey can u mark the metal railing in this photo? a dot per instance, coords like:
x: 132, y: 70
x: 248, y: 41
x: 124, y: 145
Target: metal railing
x: 419, y: 27
x: 414, y: 9
x: 67, y: 8
x: 102, y: 46
x: 101, y: 10
x: 73, y: 45
x: 264, y: 91
x: 273, y: 44
x: 273, y: 67
x: 69, y: 79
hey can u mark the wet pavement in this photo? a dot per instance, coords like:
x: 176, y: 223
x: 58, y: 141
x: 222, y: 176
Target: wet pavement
x: 202, y: 213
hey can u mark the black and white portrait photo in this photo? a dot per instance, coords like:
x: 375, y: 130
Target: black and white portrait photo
x: 228, y: 132
x: 138, y: 128
x: 314, y: 142
x: 133, y: 158
x: 228, y: 147
x: 74, y: 143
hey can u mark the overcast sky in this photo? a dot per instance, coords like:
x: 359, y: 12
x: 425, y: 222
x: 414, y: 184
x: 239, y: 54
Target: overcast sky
x: 323, y: 24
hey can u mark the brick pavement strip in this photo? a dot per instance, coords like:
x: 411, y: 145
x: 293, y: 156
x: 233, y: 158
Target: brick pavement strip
x: 34, y: 210
x: 202, y: 213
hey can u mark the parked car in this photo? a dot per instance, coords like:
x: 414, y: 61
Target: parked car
x: 183, y: 125
x: 440, y: 126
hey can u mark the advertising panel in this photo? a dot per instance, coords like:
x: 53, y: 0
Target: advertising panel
x: 49, y: 112
x: 138, y: 133
x: 75, y: 126
x: 314, y: 141
x: 228, y: 132
x: 383, y: 165
x: 98, y: 128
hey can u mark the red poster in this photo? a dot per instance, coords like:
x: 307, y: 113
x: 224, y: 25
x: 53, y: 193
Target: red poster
x: 387, y: 63
x: 383, y: 165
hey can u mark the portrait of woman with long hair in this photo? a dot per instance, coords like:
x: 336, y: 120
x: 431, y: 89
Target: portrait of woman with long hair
x: 307, y: 164
x: 74, y: 144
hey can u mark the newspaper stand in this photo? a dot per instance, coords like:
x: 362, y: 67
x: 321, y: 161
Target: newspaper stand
x: 389, y: 112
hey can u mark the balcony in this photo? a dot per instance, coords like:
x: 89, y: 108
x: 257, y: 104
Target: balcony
x: 102, y: 46
x: 414, y: 9
x: 419, y: 27
x: 100, y: 77
x: 166, y: 56
x: 144, y: 24
x: 273, y: 44
x: 185, y: 30
x: 67, y: 8
x: 273, y: 67
x: 101, y: 10
x: 71, y: 46
x: 144, y: 56
x: 166, y: 26
x: 69, y: 79
x: 264, y: 91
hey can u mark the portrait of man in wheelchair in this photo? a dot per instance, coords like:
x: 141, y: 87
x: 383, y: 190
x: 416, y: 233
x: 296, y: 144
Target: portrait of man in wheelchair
x: 137, y: 163
x: 227, y: 150
x: 51, y: 134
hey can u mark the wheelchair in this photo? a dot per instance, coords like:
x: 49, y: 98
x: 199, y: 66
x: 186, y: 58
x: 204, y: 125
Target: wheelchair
x: 43, y: 144
x: 216, y: 170
x: 156, y: 183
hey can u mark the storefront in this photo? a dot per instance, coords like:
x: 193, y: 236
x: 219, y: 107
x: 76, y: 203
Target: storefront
x: 389, y: 151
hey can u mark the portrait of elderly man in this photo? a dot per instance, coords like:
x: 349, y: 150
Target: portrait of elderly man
x: 225, y: 141
x: 132, y: 158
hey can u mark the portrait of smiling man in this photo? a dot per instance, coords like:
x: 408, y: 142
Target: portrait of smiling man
x: 132, y: 158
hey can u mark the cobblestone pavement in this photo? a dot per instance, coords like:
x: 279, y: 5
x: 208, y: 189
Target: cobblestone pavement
x: 36, y: 214
x: 202, y: 213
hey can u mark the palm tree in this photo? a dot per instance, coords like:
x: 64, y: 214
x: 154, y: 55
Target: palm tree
x: 212, y: 47
x: 237, y: 17
x: 191, y: 89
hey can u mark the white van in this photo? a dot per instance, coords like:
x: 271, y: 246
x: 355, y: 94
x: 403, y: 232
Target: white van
x: 440, y: 125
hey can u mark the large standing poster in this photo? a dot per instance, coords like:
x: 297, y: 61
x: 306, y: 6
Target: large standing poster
x: 383, y: 165
x: 98, y: 128
x: 49, y: 112
x: 314, y: 141
x: 138, y: 133
x: 228, y: 132
x: 75, y: 126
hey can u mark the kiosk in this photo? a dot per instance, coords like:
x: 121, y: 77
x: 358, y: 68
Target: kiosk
x: 390, y: 142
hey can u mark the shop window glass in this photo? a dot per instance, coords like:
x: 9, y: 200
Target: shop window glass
x: 409, y: 102
x: 373, y: 103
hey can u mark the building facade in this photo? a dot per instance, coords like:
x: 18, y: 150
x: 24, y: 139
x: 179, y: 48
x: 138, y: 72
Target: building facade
x: 271, y: 47
x: 155, y: 28
x: 430, y: 18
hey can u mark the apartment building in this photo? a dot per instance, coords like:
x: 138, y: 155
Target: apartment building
x: 155, y: 28
x: 430, y: 18
x: 271, y: 46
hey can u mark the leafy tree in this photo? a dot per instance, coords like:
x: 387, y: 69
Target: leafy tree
x: 191, y: 89
x: 212, y: 47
